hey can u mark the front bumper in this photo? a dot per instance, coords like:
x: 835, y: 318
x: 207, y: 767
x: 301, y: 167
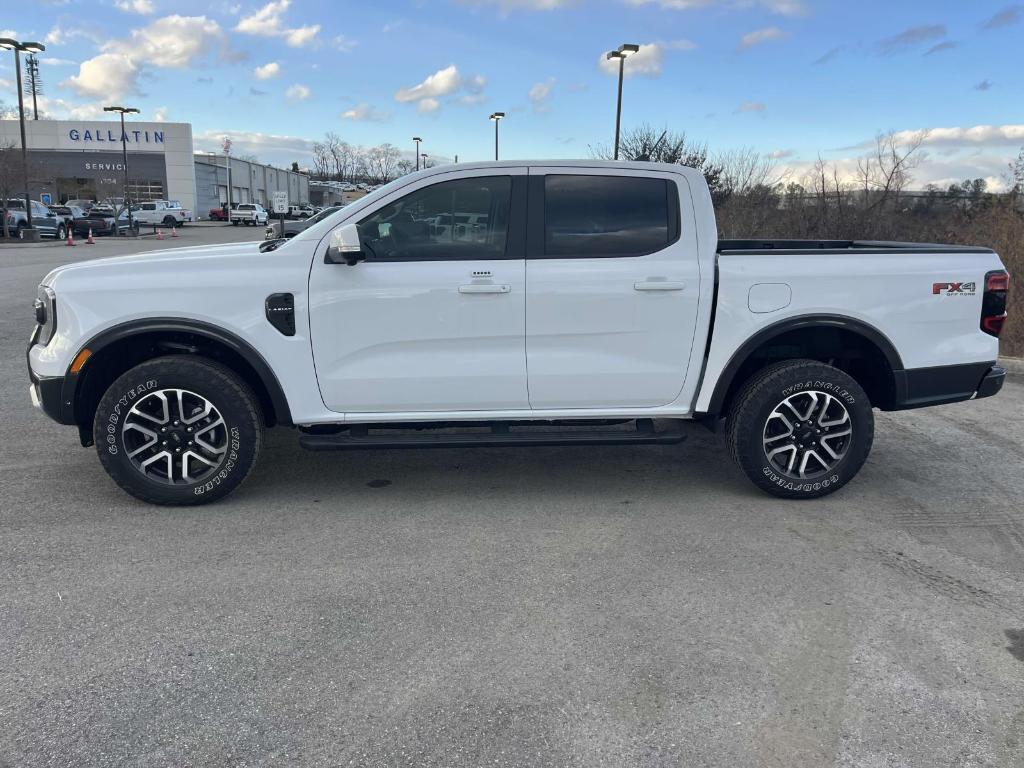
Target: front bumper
x: 50, y: 394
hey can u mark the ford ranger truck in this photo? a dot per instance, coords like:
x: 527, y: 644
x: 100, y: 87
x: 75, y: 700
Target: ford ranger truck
x: 590, y: 303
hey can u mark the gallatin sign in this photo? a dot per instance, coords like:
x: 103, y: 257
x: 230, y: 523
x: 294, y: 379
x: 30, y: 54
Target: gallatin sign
x: 131, y: 137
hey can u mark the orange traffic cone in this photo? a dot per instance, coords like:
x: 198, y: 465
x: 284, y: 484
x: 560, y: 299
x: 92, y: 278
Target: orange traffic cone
x: 159, y: 234
x: 174, y: 231
x: 89, y: 240
x: 71, y: 238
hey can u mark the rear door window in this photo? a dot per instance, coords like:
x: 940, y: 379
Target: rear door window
x: 587, y: 216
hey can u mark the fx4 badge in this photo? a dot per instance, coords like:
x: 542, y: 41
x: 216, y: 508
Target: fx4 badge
x: 953, y: 289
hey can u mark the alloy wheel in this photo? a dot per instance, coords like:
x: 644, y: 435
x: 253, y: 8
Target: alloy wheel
x: 807, y: 435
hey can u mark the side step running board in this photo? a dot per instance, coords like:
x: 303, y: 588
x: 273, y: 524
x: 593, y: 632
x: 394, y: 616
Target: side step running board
x: 359, y: 438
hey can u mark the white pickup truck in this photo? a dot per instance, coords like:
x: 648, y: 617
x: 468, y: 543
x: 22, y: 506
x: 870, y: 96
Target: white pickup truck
x: 591, y: 303
x: 249, y: 214
x: 168, y: 213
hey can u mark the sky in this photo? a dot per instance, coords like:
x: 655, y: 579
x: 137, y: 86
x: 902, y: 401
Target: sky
x: 791, y: 79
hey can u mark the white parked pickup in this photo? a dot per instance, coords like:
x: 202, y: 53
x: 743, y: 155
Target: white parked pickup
x: 168, y: 213
x: 249, y: 214
x: 587, y: 303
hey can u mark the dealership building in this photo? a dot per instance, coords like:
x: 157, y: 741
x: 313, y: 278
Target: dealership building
x: 74, y: 159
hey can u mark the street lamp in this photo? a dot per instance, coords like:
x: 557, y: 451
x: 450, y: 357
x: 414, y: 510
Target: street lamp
x: 424, y: 156
x: 417, y: 139
x: 29, y: 233
x: 624, y: 50
x: 496, y: 117
x: 124, y: 156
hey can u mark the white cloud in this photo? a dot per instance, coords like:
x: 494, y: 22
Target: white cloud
x: 109, y: 74
x: 344, y: 43
x: 441, y: 83
x: 297, y: 92
x: 160, y: 115
x: 646, y: 62
x: 759, y: 36
x: 540, y: 93
x: 1010, y: 135
x: 173, y: 42
x: 445, y: 82
x: 266, y: 22
x: 53, y: 61
x: 144, y: 7
x: 267, y: 71
x: 780, y: 7
x: 365, y: 113
x: 268, y: 147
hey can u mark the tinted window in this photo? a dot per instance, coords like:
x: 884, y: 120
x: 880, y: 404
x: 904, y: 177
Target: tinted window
x: 461, y: 219
x: 149, y: 206
x: 605, y: 215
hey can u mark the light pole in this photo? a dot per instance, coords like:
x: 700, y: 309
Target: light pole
x: 124, y: 157
x: 620, y: 53
x: 29, y: 233
x: 417, y: 139
x: 496, y: 117
x: 227, y: 170
x: 424, y: 156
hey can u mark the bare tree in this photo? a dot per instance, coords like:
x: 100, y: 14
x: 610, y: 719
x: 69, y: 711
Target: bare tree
x: 886, y: 171
x: 647, y: 144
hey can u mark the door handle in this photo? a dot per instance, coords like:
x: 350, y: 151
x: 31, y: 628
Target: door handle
x: 484, y: 288
x: 659, y: 285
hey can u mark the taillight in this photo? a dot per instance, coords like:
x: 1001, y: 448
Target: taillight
x: 993, y: 303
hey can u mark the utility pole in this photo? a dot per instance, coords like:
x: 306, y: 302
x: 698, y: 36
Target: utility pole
x: 34, y: 86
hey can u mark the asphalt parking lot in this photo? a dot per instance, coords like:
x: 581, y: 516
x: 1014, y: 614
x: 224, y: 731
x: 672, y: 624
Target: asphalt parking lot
x: 614, y: 606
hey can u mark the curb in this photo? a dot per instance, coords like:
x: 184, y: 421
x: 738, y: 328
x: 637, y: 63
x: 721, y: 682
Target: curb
x: 1012, y: 364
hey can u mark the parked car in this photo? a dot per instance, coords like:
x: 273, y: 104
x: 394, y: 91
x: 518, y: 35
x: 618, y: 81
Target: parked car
x: 102, y: 220
x: 218, y: 214
x: 249, y: 214
x: 44, y: 220
x: 599, y: 298
x: 69, y: 213
x: 292, y: 228
x: 168, y: 213
x: 85, y: 205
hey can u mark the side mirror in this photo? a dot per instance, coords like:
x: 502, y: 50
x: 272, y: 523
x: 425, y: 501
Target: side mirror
x: 345, y: 247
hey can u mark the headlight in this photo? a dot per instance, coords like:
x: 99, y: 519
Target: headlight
x: 46, y: 314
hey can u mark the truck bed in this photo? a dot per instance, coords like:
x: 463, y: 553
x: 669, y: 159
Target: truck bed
x: 727, y: 247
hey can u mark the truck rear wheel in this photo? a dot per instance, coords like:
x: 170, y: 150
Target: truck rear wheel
x: 178, y: 430
x: 800, y: 429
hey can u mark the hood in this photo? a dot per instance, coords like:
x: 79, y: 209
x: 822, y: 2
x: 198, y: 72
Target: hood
x: 204, y: 253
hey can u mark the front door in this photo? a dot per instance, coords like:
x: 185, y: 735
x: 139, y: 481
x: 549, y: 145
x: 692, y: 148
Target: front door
x: 434, y: 319
x: 612, y: 284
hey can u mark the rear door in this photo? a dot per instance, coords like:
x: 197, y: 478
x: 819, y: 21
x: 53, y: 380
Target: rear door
x: 612, y: 288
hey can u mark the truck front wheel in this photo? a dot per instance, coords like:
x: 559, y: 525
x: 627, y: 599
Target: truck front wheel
x: 178, y: 430
x: 800, y: 429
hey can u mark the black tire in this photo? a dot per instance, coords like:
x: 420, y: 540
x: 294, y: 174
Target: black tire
x: 20, y: 232
x: 234, y: 222
x: 229, y: 395
x: 748, y: 427
x: 62, y: 232
x: 170, y: 221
